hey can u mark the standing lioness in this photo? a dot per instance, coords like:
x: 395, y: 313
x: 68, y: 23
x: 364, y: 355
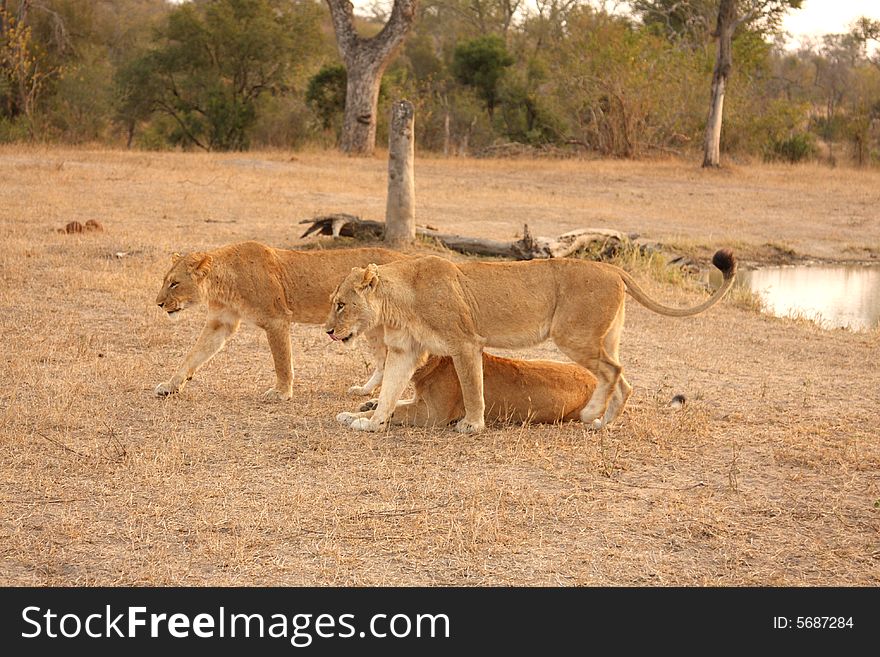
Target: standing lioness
x: 430, y: 304
x: 264, y: 286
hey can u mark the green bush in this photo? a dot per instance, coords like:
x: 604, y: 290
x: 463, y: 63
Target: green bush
x: 798, y: 147
x: 325, y: 95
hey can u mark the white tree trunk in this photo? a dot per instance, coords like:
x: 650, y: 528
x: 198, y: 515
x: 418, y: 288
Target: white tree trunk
x: 712, y: 151
x: 724, y: 29
x: 400, y: 211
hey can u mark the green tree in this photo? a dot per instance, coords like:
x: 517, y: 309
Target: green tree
x: 24, y: 66
x: 325, y: 94
x: 213, y: 62
x: 762, y: 16
x: 480, y: 64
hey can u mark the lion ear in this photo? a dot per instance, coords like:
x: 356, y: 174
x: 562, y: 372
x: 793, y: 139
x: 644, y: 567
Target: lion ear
x: 175, y: 257
x: 204, y: 265
x: 371, y: 277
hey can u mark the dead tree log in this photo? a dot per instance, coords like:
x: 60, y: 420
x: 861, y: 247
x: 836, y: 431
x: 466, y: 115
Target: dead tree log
x: 400, y: 208
x: 527, y: 247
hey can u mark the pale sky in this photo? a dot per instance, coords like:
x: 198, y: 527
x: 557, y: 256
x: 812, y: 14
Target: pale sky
x: 814, y: 18
x: 818, y: 17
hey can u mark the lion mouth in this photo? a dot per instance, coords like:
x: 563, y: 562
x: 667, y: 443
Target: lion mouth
x: 173, y: 312
x: 344, y: 340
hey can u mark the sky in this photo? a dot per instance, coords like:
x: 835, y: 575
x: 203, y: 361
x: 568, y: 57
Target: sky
x: 818, y: 17
x: 813, y: 19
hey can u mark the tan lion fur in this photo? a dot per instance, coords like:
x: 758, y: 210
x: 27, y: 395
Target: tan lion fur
x: 515, y: 391
x: 429, y: 304
x: 265, y: 286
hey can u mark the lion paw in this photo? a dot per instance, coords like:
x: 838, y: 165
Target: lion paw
x: 346, y: 418
x: 365, y: 424
x: 369, y: 405
x: 274, y: 394
x: 465, y: 426
x: 359, y: 391
x: 167, y: 388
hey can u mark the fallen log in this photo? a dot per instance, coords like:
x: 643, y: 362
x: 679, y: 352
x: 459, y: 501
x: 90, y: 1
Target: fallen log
x: 527, y: 247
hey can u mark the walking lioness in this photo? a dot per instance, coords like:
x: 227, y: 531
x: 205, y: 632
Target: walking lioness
x: 429, y: 304
x: 515, y: 391
x: 264, y: 286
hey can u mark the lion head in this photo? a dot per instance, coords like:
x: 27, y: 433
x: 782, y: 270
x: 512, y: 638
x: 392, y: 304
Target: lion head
x: 351, y: 305
x: 182, y: 286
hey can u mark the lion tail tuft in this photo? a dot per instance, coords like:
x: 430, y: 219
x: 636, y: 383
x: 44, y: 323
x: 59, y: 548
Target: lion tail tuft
x: 726, y: 262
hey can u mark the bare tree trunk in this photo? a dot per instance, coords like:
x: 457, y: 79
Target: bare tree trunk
x: 446, y: 132
x: 361, y: 102
x: 400, y: 211
x: 712, y: 146
x: 365, y: 62
x: 727, y: 23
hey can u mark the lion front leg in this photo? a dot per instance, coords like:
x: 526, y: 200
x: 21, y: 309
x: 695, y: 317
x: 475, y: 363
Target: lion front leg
x: 278, y: 333
x: 376, y: 340
x: 399, y: 367
x: 469, y: 367
x: 219, y: 327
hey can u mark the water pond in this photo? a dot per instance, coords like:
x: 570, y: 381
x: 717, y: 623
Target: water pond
x: 831, y: 295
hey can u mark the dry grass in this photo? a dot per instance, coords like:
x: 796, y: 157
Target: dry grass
x: 768, y: 475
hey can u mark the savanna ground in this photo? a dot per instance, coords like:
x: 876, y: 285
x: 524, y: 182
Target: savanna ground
x: 767, y: 476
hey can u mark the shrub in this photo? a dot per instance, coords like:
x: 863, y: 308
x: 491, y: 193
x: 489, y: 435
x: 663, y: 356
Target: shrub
x: 798, y: 147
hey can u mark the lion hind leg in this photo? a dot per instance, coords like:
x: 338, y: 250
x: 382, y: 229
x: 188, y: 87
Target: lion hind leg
x: 414, y: 413
x: 622, y: 389
x: 621, y: 394
x: 607, y: 372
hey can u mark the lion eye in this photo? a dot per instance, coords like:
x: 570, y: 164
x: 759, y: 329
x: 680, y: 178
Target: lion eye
x: 339, y: 307
x: 173, y: 285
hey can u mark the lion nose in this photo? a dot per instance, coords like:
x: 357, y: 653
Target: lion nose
x: 161, y: 304
x: 330, y: 332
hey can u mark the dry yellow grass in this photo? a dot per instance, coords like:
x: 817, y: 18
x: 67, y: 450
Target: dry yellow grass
x: 767, y: 476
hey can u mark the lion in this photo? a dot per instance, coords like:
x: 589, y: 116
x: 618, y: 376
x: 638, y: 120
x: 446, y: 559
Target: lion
x: 265, y: 286
x: 429, y: 304
x: 521, y: 391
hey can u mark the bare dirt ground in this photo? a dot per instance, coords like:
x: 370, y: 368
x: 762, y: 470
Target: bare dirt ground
x: 768, y: 475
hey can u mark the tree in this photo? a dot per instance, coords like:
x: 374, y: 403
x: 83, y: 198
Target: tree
x: 687, y: 21
x: 366, y: 59
x: 23, y: 66
x: 480, y: 64
x: 213, y: 63
x: 325, y: 94
x: 867, y: 29
x: 763, y: 15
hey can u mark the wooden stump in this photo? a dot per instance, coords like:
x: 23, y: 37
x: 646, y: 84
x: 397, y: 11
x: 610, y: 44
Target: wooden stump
x: 400, y: 211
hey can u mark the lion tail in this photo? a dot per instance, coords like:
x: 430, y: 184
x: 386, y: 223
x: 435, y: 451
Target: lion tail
x: 723, y: 260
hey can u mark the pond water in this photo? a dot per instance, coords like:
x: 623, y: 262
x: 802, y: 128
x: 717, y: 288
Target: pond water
x: 831, y: 295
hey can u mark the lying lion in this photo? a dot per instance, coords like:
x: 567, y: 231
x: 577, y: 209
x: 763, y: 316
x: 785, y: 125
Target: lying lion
x: 264, y: 286
x: 515, y: 391
x: 429, y: 304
